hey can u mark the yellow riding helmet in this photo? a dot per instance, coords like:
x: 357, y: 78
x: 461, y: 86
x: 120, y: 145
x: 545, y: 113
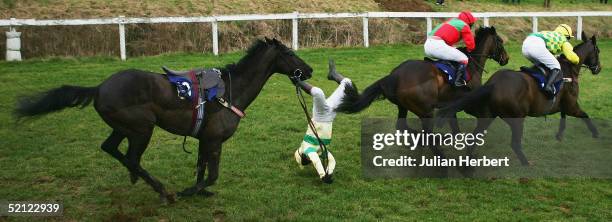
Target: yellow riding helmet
x: 565, y: 29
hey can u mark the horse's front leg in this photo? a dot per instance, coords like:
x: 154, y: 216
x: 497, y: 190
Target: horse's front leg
x: 203, y: 159
x: 454, y: 124
x: 213, y: 168
x: 559, y: 135
x: 577, y: 112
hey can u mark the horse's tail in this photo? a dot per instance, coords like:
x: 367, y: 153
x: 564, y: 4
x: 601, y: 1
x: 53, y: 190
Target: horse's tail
x: 353, y: 102
x: 473, y: 98
x: 55, y: 100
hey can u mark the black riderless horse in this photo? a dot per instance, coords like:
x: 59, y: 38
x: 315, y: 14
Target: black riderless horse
x: 132, y: 102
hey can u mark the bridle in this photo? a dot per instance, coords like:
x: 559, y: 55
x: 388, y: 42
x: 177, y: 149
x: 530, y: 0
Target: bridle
x: 297, y: 73
x: 495, y: 56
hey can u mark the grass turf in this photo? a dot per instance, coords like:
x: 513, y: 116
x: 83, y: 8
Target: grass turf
x: 57, y: 157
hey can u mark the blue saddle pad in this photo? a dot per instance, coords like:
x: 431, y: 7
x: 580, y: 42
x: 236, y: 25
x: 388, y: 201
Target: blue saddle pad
x: 183, y: 86
x: 448, y: 68
x: 540, y: 78
x: 185, y: 89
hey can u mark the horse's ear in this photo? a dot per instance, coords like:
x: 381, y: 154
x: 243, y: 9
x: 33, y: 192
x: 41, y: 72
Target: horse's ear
x: 493, y: 30
x: 276, y: 41
x: 584, y: 36
x: 594, y: 40
x: 267, y: 40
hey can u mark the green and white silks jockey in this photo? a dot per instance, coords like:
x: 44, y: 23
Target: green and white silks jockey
x: 323, y: 115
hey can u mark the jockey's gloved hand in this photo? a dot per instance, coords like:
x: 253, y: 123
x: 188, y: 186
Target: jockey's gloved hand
x: 294, y: 79
x: 328, y: 179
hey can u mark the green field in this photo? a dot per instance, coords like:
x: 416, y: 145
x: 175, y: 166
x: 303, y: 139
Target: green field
x: 57, y: 157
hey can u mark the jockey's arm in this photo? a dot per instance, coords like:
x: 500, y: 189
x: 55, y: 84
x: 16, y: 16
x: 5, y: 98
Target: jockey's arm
x: 569, y: 53
x: 468, y: 38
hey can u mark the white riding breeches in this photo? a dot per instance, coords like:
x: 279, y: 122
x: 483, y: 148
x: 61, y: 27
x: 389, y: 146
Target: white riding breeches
x: 322, y: 108
x: 534, y: 49
x: 438, y: 49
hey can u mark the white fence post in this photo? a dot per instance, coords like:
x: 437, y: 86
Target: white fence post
x: 534, y: 24
x: 429, y: 25
x: 13, y: 43
x: 366, y: 32
x: 215, y: 37
x: 486, y: 21
x: 122, y: 38
x: 579, y: 28
x: 294, y: 31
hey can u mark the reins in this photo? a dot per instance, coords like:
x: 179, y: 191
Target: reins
x: 302, y: 100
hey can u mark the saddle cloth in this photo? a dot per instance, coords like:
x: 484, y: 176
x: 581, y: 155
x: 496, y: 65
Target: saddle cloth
x: 538, y: 75
x: 450, y: 69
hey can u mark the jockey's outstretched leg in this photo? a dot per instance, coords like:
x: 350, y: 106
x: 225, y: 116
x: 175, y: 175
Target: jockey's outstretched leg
x: 332, y: 74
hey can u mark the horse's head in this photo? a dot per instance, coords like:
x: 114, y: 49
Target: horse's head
x: 489, y: 44
x: 287, y: 62
x: 589, y: 53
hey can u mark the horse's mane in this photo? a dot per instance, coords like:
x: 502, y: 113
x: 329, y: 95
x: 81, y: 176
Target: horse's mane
x: 257, y: 46
x: 483, y: 32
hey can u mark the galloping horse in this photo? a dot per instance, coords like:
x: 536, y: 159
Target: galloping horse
x: 133, y: 102
x: 419, y: 86
x: 513, y: 95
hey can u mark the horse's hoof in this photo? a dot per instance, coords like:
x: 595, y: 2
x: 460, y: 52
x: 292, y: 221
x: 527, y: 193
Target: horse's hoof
x: 167, y: 199
x: 188, y: 192
x: 595, y: 135
x: 559, y: 137
x: 133, y: 178
x: 205, y: 193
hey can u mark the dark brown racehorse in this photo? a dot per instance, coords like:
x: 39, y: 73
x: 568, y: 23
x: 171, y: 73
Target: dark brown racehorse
x: 133, y: 102
x: 513, y: 95
x: 419, y: 86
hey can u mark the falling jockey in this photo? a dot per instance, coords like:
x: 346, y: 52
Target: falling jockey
x: 540, y: 48
x: 440, y: 40
x: 323, y: 115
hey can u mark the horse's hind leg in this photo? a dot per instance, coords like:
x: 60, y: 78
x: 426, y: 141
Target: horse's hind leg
x: 516, y: 125
x: 481, y: 125
x: 401, y: 123
x: 137, y: 144
x: 402, y: 113
x: 111, y: 146
x: 428, y: 122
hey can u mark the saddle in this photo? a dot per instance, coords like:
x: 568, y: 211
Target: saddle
x: 449, y: 68
x: 199, y: 86
x: 208, y: 79
x: 538, y: 74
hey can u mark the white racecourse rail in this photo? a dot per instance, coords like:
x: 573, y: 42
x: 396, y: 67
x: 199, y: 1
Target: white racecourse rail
x: 295, y: 16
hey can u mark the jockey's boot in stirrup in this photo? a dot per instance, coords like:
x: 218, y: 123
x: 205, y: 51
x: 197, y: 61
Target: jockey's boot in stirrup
x: 549, y: 87
x: 460, y: 80
x: 332, y: 74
